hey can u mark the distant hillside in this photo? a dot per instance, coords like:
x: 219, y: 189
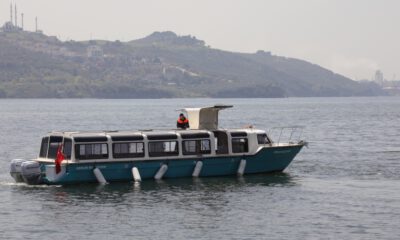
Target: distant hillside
x: 161, y: 65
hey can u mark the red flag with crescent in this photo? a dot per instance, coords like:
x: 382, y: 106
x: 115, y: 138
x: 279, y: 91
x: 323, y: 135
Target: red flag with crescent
x: 59, y: 158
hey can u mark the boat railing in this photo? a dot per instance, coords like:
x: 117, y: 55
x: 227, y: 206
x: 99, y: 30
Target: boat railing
x: 290, y: 135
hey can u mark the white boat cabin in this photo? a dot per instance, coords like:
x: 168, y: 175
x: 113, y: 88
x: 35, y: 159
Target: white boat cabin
x: 203, y: 139
x: 151, y: 145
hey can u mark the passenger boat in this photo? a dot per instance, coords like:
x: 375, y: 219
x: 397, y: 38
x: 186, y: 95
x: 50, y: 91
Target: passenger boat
x: 203, y: 150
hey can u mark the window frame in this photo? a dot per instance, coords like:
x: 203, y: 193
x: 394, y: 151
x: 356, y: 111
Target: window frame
x: 164, y: 153
x: 102, y: 155
x: 265, y: 137
x: 66, y: 154
x: 128, y: 154
x: 54, y: 143
x: 198, y: 145
x: 235, y: 148
x: 44, y: 147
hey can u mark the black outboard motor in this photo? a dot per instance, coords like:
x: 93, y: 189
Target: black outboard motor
x: 31, y: 173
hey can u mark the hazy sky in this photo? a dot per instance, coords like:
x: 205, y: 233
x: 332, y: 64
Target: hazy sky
x: 350, y: 37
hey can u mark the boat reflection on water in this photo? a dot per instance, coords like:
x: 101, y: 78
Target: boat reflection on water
x: 155, y: 191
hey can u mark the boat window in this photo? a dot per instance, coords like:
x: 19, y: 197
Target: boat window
x: 240, y: 145
x: 162, y: 136
x: 221, y: 142
x: 55, y: 141
x: 163, y: 148
x: 238, y: 134
x: 195, y: 147
x: 67, y: 148
x: 91, y: 151
x: 194, y: 135
x: 44, y: 147
x: 127, y: 150
x: 263, y: 139
x: 91, y: 139
x: 127, y: 138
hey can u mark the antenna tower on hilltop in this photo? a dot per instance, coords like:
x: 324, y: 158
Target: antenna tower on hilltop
x: 11, y: 16
x: 15, y: 15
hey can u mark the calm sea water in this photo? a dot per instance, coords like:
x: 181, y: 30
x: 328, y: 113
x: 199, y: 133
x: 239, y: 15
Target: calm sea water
x: 346, y: 185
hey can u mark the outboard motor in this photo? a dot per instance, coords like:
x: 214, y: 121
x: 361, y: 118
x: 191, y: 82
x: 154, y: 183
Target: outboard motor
x: 31, y: 173
x: 15, y: 169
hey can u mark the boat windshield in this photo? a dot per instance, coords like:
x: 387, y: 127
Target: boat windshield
x: 67, y: 148
x: 44, y: 147
x: 49, y: 147
x: 54, y: 142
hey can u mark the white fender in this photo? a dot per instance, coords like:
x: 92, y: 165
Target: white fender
x: 197, y: 169
x: 99, y: 176
x: 136, y: 174
x: 160, y: 173
x: 241, y: 168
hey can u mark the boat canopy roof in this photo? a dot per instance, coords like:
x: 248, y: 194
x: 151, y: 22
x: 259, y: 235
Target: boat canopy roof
x: 126, y: 135
x: 202, y: 120
x: 204, y: 117
x: 119, y: 136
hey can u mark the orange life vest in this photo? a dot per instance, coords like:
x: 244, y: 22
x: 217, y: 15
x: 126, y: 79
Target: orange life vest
x: 180, y: 121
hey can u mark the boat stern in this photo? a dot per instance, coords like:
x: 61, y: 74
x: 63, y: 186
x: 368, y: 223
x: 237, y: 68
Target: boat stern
x: 51, y: 176
x: 28, y: 171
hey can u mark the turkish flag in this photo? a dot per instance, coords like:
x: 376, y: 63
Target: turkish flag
x: 59, y: 158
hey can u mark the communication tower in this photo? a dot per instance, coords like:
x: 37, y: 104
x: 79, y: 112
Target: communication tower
x: 15, y: 15
x: 11, y: 16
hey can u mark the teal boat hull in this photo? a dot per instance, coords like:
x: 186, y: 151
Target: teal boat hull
x: 268, y: 159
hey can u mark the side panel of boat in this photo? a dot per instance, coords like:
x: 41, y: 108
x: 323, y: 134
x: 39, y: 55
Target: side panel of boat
x: 272, y: 159
x: 266, y: 160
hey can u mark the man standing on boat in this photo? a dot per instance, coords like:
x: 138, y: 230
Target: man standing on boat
x: 182, y: 122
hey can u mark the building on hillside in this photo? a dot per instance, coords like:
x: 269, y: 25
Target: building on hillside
x: 10, y: 27
x: 94, y: 51
x: 379, y: 78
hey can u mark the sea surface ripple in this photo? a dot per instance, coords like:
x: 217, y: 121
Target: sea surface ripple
x: 345, y: 185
